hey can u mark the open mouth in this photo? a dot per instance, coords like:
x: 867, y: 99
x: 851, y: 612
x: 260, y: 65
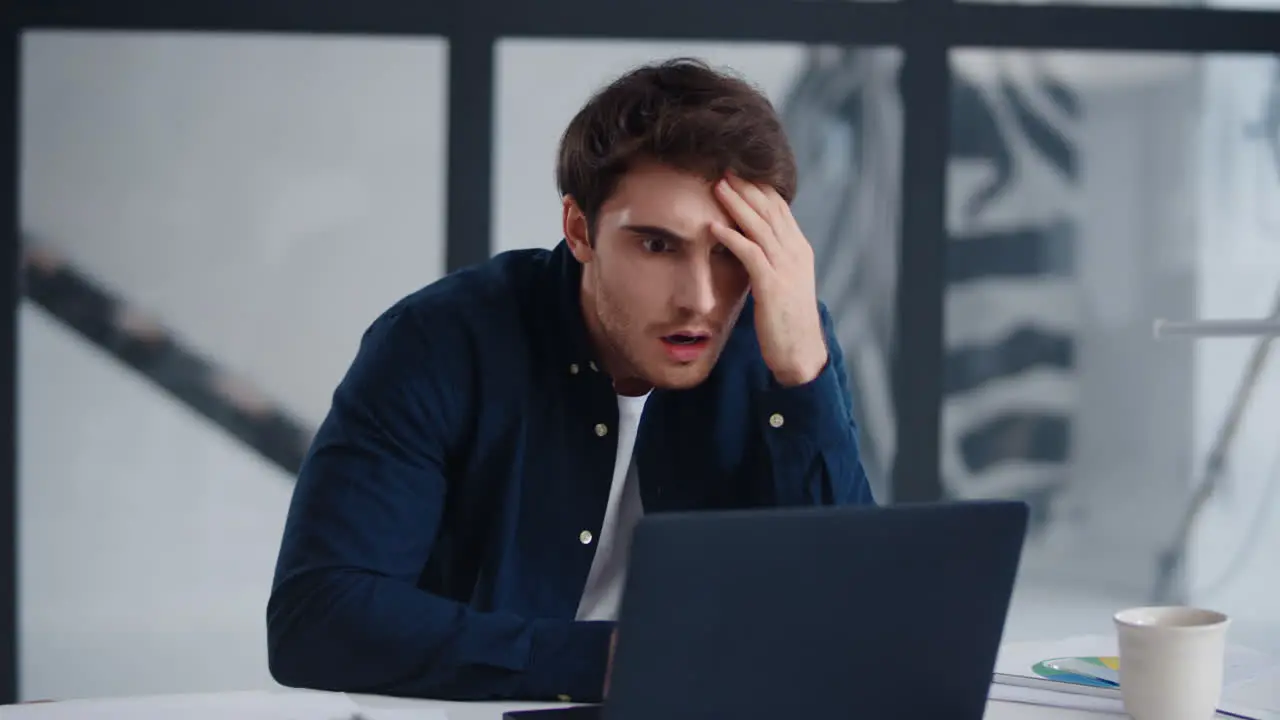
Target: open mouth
x: 687, y: 347
x: 681, y: 339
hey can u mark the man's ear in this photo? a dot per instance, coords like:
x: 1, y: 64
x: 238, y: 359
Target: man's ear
x: 576, y: 232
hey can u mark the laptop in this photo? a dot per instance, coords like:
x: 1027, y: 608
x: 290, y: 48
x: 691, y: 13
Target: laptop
x: 816, y: 612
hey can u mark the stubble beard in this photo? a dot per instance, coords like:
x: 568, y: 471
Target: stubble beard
x: 629, y: 359
x: 624, y: 344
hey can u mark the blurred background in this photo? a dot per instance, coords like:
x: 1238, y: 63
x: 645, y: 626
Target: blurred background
x: 209, y: 220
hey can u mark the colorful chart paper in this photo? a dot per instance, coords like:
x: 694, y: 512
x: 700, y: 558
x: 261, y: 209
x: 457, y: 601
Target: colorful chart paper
x: 1043, y: 670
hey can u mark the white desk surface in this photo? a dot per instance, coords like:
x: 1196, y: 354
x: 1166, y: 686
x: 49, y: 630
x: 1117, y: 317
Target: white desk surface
x: 274, y: 705
x: 493, y: 711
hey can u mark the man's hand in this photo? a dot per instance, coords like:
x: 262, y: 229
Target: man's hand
x: 780, y: 262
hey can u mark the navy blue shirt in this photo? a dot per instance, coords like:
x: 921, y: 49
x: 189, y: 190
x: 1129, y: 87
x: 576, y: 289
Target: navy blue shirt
x: 432, y: 544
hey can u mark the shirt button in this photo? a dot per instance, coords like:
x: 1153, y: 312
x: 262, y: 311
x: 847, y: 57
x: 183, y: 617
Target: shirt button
x: 564, y: 698
x: 593, y: 366
x: 776, y: 420
x: 602, y: 429
x: 584, y: 537
x: 573, y: 369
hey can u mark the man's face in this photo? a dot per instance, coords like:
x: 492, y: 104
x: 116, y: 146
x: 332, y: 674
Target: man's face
x: 660, y: 293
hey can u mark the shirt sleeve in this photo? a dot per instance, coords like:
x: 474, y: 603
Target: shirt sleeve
x: 345, y: 612
x: 811, y: 437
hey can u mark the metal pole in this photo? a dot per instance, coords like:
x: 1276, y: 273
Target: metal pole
x: 1169, y: 564
x: 1260, y: 328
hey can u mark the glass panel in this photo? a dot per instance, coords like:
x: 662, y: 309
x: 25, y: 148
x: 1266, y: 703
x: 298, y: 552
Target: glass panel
x: 210, y: 223
x: 1090, y: 194
x: 843, y: 115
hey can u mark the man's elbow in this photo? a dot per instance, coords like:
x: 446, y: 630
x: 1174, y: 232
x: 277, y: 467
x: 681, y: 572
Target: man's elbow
x: 291, y: 668
x: 296, y: 652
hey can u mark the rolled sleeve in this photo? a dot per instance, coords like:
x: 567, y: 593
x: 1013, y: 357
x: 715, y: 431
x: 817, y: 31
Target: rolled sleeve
x: 811, y: 437
x: 812, y: 412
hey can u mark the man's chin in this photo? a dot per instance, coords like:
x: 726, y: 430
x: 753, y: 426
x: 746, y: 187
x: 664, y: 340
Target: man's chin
x: 679, y: 377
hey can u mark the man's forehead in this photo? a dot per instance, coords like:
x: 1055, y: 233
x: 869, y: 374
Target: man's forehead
x: 687, y: 211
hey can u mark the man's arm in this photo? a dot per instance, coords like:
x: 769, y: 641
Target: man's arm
x: 811, y: 438
x: 806, y: 413
x: 344, y: 613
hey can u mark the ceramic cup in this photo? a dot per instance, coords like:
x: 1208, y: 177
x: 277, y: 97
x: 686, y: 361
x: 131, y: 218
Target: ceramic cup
x: 1171, y: 661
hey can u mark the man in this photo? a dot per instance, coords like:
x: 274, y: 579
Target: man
x: 460, y: 526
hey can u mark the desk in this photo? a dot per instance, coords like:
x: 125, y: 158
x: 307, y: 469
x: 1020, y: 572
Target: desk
x: 290, y: 703
x: 493, y: 711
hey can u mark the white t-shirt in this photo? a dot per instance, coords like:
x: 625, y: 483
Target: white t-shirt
x: 609, y: 567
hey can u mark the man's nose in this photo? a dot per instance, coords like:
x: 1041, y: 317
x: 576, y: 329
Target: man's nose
x: 695, y: 289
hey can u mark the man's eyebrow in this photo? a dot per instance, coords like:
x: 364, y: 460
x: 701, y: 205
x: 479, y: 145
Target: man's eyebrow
x: 655, y: 231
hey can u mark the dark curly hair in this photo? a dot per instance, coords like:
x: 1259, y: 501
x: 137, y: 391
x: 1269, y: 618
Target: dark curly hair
x: 680, y: 113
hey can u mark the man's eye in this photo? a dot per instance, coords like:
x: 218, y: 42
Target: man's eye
x: 656, y: 245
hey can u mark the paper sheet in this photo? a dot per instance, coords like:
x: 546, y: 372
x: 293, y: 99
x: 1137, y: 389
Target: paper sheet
x: 1251, y: 679
x: 1261, y: 691
x: 253, y: 705
x: 1032, y: 696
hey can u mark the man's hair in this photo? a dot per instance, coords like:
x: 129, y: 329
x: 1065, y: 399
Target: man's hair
x: 679, y: 113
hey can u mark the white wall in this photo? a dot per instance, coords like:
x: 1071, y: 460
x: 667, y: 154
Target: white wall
x: 266, y: 197
x: 147, y: 539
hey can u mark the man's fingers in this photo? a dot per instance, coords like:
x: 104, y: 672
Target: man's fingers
x: 778, y: 212
x: 785, y: 234
x: 756, y: 198
x: 751, y: 255
x: 755, y: 225
x: 783, y: 208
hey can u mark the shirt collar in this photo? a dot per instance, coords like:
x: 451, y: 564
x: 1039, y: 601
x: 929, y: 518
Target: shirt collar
x: 579, y: 351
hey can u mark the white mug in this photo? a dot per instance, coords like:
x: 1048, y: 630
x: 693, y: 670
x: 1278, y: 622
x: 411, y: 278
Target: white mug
x: 1171, y: 662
